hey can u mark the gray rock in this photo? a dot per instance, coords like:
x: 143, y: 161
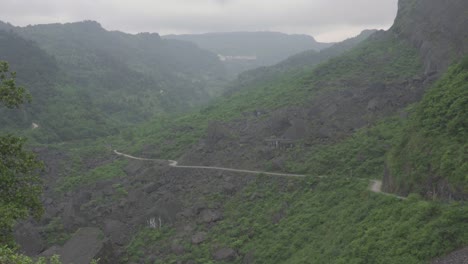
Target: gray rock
x: 209, y: 216
x: 225, y: 254
x: 229, y: 188
x: 151, y: 187
x: 166, y: 208
x: 177, y: 249
x: 115, y: 230
x: 54, y: 250
x: 199, y: 238
x: 249, y: 258
x: 29, y: 239
x: 85, y: 245
x: 456, y: 257
x: 198, y: 208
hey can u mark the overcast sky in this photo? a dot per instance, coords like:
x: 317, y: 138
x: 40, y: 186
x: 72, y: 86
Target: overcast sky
x: 326, y: 20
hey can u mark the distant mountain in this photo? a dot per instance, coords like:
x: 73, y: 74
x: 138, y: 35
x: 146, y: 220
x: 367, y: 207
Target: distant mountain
x: 310, y: 58
x: 304, y: 60
x: 339, y: 109
x: 109, y: 77
x: 243, y: 51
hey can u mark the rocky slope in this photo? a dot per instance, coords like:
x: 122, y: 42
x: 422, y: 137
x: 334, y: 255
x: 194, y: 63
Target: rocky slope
x: 175, y: 198
x: 431, y: 29
x: 435, y: 28
x: 154, y: 212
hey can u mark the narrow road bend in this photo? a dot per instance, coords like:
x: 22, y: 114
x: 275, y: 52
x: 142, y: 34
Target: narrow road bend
x: 375, y: 185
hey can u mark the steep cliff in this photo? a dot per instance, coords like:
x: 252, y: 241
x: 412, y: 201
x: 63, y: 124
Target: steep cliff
x: 437, y: 28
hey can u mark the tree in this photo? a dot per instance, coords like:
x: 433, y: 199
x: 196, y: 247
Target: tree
x: 20, y: 184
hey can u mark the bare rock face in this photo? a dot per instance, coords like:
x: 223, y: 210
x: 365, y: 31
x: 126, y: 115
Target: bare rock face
x: 85, y: 245
x: 437, y: 28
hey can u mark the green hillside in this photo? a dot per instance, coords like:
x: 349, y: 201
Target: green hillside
x: 87, y: 81
x: 137, y: 148
x: 330, y: 221
x: 336, y: 219
x: 431, y: 155
x: 393, y: 60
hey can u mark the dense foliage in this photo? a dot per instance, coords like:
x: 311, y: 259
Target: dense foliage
x: 88, y: 82
x: 20, y: 185
x: 331, y: 220
x: 431, y: 154
x: 362, y: 155
x: 393, y: 59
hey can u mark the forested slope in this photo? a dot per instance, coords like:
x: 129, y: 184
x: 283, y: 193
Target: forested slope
x: 93, y: 80
x: 431, y: 155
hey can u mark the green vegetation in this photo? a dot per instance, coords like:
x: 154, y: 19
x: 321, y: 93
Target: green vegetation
x: 88, y: 82
x: 55, y: 232
x: 334, y: 220
x: 145, y: 241
x: 362, y: 155
x: 20, y: 185
x: 432, y: 150
x: 81, y: 178
x: 8, y: 256
x: 394, y: 60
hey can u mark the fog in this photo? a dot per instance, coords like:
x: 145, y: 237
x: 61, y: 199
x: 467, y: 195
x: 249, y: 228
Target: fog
x: 327, y: 20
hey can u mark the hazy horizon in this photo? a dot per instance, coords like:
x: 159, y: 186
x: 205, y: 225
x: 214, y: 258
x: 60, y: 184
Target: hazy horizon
x: 321, y: 19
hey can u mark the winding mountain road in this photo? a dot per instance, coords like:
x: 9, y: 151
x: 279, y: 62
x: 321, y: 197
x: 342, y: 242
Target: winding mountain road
x: 374, y: 186
x: 174, y: 164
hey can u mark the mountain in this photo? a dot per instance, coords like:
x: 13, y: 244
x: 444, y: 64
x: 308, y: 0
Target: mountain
x: 326, y: 104
x: 241, y: 51
x: 392, y: 108
x: 298, y: 62
x: 435, y: 29
x: 102, y: 79
x: 388, y: 110
x: 430, y: 155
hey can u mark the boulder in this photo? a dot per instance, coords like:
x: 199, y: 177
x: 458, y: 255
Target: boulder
x: 151, y: 187
x: 54, y: 250
x: 249, y: 258
x: 85, y: 245
x: 209, y: 216
x: 225, y: 254
x: 456, y: 257
x: 199, y: 238
x: 29, y: 239
x: 177, y: 249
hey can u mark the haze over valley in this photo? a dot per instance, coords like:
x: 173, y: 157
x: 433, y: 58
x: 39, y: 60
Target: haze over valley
x: 234, y: 132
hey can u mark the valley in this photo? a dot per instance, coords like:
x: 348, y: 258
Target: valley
x: 153, y: 149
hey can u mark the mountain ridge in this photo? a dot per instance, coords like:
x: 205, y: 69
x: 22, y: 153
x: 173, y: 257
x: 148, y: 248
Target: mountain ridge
x: 263, y: 48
